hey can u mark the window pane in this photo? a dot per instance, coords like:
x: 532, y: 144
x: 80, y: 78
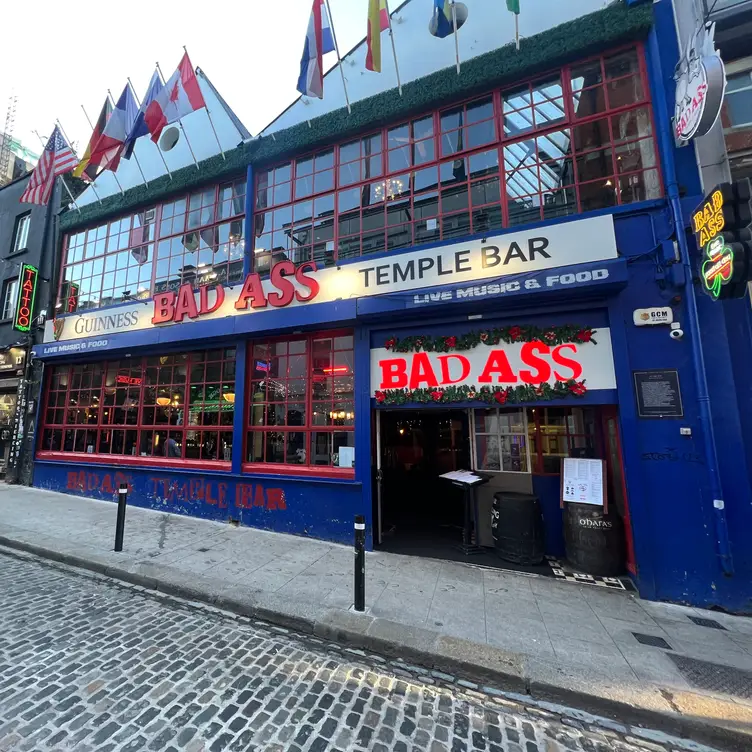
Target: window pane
x: 487, y: 452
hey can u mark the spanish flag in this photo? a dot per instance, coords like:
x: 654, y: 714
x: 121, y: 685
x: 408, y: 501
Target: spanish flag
x: 89, y: 171
x: 378, y: 21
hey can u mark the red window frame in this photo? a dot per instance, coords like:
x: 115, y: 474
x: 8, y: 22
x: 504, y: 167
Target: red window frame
x: 309, y: 428
x: 110, y: 233
x: 355, y: 238
x: 133, y: 379
x: 537, y: 454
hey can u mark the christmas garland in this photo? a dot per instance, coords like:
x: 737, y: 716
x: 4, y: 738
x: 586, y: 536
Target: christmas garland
x: 553, y: 335
x: 486, y: 394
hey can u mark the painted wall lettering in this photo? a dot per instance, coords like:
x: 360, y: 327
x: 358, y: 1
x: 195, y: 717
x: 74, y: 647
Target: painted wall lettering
x: 105, y: 483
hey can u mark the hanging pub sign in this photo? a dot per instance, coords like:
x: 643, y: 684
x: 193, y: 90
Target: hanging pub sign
x: 720, y: 225
x: 27, y: 292
x: 700, y: 85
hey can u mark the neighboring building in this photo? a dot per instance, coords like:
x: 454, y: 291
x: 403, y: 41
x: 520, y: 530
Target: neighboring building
x: 733, y: 19
x: 349, y: 306
x: 20, y: 160
x: 26, y: 238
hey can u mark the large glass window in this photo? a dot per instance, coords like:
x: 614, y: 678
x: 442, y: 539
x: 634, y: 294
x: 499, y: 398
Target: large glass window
x: 500, y: 440
x: 178, y: 406
x: 301, y: 403
x: 739, y: 99
x: 558, y: 432
x: 195, y: 239
x: 575, y: 140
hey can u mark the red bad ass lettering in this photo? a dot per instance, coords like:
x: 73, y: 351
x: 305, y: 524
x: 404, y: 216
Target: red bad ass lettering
x: 175, y: 306
x: 539, y: 364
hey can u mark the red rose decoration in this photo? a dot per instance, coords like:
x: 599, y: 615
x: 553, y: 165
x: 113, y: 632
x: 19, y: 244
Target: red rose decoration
x: 550, y: 336
x: 390, y: 343
x: 471, y: 395
x: 484, y: 336
x: 500, y: 397
x: 380, y: 397
x: 578, y: 388
x: 451, y: 341
x: 515, y: 332
x: 584, y: 335
x: 436, y: 396
x: 418, y: 343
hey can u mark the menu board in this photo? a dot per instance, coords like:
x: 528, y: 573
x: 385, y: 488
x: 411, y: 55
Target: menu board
x: 582, y: 481
x: 658, y: 394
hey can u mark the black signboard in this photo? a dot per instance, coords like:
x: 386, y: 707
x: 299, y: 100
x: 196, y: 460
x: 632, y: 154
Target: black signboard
x: 658, y: 394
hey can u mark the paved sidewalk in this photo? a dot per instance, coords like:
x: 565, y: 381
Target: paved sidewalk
x: 553, y: 640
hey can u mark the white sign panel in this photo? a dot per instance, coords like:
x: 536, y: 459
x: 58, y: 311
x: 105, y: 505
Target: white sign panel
x: 652, y: 316
x: 569, y: 243
x: 582, y: 481
x: 501, y: 365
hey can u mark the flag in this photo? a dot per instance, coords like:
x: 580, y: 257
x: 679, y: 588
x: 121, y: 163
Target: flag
x: 109, y: 148
x: 378, y: 21
x: 513, y: 6
x: 139, y: 125
x: 180, y: 96
x: 86, y: 170
x: 57, y: 158
x: 442, y: 12
x: 319, y: 40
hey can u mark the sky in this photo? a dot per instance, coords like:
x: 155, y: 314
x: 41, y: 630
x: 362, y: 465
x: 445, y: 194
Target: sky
x: 66, y: 55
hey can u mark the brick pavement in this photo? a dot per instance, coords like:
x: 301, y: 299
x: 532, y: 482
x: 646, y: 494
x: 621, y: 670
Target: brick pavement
x: 90, y: 664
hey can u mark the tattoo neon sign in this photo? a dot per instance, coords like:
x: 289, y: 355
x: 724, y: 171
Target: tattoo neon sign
x: 27, y: 293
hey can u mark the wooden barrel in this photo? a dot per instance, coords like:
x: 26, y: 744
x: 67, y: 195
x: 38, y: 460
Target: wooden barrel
x: 594, y: 541
x: 517, y: 527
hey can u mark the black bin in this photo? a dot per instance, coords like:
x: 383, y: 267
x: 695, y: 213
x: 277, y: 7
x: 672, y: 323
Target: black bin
x: 594, y: 541
x: 517, y: 527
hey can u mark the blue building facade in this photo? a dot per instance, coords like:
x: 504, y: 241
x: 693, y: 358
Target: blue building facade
x: 471, y: 273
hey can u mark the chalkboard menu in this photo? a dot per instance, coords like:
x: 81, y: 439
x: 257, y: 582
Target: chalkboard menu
x: 658, y: 394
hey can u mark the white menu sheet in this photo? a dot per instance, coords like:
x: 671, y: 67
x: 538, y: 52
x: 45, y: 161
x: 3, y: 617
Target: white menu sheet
x: 583, y: 481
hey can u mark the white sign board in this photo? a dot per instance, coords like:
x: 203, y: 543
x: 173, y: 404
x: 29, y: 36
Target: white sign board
x: 582, y: 481
x: 653, y: 316
x: 499, y: 365
x: 580, y: 241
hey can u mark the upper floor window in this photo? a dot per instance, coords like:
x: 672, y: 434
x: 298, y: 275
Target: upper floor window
x: 575, y: 140
x: 10, y: 292
x: 739, y: 99
x: 195, y: 239
x: 21, y: 233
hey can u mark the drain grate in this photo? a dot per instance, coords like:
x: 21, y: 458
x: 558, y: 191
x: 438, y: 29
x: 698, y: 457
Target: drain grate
x: 712, y: 623
x: 713, y: 677
x: 652, y: 640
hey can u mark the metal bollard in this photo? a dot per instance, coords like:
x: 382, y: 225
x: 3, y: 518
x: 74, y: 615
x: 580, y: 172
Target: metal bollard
x: 120, y: 524
x: 360, y: 563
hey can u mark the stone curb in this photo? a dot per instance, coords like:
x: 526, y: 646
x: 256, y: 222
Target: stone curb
x: 425, y: 648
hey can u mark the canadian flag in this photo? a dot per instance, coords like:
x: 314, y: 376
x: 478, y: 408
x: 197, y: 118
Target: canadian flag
x: 180, y: 96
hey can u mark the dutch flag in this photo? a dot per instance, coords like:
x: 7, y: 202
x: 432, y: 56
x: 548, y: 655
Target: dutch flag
x: 319, y: 40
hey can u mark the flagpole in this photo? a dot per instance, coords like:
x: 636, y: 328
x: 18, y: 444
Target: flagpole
x: 394, y: 48
x: 135, y: 156
x: 164, y: 162
x: 339, y: 59
x: 78, y: 208
x: 91, y: 185
x: 190, y: 148
x: 456, y: 38
x: 517, y: 29
x: 91, y: 125
x: 211, y: 122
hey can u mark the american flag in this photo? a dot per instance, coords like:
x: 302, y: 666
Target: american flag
x: 57, y: 158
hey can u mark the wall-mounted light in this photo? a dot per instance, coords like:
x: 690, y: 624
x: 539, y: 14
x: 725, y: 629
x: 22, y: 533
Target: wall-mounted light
x: 229, y: 397
x: 163, y: 401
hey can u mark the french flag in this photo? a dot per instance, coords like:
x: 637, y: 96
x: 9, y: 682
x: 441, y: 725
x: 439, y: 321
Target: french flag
x: 180, y: 96
x: 319, y: 40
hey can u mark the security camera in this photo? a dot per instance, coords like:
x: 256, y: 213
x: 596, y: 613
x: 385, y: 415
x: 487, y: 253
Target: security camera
x: 676, y: 333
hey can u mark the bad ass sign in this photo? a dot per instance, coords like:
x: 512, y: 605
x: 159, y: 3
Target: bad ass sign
x: 513, y: 364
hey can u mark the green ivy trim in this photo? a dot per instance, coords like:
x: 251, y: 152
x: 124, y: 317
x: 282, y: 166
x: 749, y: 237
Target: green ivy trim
x: 552, y: 335
x: 488, y: 395
x: 616, y: 24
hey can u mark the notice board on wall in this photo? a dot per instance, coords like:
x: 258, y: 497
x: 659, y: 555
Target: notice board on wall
x: 658, y: 394
x: 584, y: 482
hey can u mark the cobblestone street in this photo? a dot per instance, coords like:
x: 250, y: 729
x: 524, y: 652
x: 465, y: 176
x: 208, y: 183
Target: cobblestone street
x: 90, y: 664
